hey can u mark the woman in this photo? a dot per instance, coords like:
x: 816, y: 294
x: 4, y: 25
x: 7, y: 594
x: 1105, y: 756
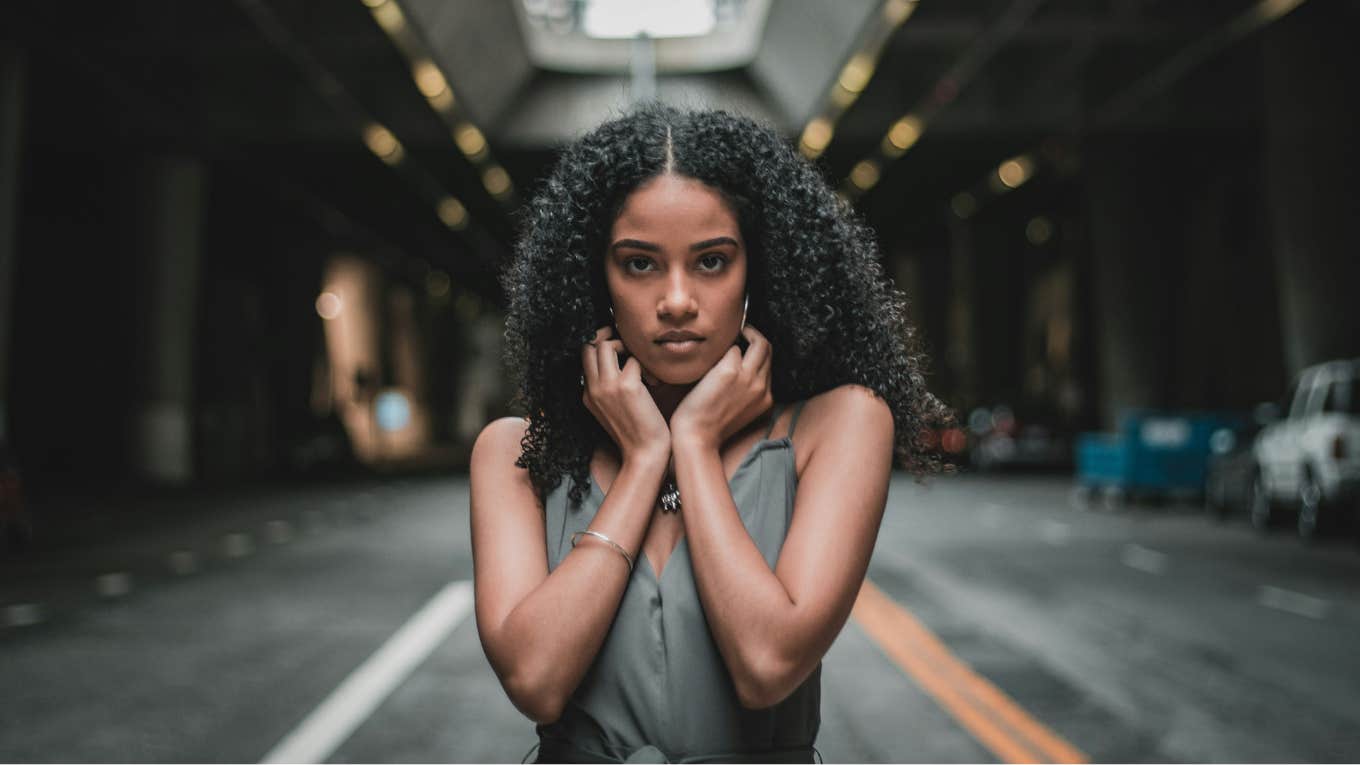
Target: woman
x: 698, y: 327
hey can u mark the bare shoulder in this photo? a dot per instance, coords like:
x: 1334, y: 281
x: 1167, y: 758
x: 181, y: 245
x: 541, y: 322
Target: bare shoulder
x: 501, y: 435
x: 851, y: 417
x: 504, y: 505
x: 849, y: 407
x: 497, y: 448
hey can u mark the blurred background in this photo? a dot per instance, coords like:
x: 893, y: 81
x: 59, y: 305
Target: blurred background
x: 250, y: 325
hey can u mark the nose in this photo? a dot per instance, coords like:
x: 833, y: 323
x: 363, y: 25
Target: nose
x: 679, y: 300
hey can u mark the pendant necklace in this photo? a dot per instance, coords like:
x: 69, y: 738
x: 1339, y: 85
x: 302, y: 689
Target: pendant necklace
x: 670, y: 496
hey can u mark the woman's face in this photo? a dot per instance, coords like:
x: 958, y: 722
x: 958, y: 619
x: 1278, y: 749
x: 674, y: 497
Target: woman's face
x: 676, y: 265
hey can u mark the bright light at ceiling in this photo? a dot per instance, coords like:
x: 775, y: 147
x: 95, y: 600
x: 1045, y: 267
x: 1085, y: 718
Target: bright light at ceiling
x: 612, y: 19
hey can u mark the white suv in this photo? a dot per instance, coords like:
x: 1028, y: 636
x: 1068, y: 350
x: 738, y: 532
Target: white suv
x: 1310, y: 460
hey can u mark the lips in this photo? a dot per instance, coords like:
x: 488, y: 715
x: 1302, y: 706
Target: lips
x: 679, y: 341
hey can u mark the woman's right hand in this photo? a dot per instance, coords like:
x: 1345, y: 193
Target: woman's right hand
x: 620, y: 401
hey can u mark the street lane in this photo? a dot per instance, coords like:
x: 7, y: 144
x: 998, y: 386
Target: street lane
x: 1181, y: 660
x: 1188, y: 657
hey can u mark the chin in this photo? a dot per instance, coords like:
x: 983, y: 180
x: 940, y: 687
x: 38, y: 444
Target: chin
x: 677, y: 379
x: 672, y: 373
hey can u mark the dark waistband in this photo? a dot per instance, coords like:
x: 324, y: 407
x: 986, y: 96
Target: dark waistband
x: 557, y: 750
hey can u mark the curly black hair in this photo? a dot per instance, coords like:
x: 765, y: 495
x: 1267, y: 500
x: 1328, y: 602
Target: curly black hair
x: 816, y: 287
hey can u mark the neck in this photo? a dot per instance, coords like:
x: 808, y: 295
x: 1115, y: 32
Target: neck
x: 668, y: 397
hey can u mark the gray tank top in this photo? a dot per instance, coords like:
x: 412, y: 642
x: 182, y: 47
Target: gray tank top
x: 658, y: 691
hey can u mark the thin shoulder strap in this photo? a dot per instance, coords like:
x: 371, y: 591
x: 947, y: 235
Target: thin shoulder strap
x: 793, y: 422
x: 778, y: 410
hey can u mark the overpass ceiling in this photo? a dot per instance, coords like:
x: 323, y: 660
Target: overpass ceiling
x: 282, y: 88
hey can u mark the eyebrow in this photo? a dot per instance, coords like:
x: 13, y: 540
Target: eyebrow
x: 638, y: 244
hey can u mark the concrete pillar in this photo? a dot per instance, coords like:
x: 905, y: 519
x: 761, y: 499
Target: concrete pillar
x: 1226, y: 345
x: 11, y: 119
x: 170, y: 210
x: 1133, y: 222
x: 1203, y: 356
x: 1312, y: 186
x: 997, y: 305
x: 961, y: 353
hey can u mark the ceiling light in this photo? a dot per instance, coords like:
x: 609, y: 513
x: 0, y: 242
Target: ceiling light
x: 1014, y: 172
x: 1039, y: 230
x: 857, y: 73
x: 442, y: 101
x: 389, y: 17
x: 496, y: 181
x: 452, y: 213
x: 816, y: 136
x: 328, y: 305
x: 469, y: 139
x: 902, y: 135
x: 865, y: 175
x: 428, y: 78
x: 897, y: 11
x: 381, y: 142
x: 1270, y: 10
x: 613, y: 19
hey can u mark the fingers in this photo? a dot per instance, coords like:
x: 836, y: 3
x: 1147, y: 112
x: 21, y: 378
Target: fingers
x: 608, y: 352
x: 758, y: 352
x: 588, y: 368
x: 758, y: 359
x: 590, y: 357
x: 632, y: 370
x: 766, y: 365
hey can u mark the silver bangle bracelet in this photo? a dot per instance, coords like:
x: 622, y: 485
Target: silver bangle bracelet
x: 577, y: 536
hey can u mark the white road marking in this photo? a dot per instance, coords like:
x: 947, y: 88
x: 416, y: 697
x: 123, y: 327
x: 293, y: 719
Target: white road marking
x: 113, y: 585
x: 278, y: 532
x: 1293, y: 602
x: 182, y: 562
x: 1055, y: 533
x: 1143, y: 559
x: 22, y: 615
x: 327, y: 727
x: 237, y: 545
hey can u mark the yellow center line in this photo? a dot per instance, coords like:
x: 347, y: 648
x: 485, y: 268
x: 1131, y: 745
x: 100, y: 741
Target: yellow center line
x: 984, y: 710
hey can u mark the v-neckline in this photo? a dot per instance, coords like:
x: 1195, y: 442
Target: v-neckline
x: 756, y: 448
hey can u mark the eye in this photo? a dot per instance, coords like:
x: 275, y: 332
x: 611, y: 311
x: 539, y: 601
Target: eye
x: 636, y: 263
x: 712, y: 262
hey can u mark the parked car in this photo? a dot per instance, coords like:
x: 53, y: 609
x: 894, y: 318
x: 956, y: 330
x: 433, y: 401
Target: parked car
x: 1231, y: 470
x: 1153, y: 454
x: 1309, y: 461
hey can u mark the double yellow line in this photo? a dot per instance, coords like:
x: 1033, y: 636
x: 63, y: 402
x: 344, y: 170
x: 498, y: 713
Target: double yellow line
x: 984, y: 710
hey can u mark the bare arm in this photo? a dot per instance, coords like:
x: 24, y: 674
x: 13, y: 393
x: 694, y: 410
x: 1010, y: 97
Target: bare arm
x: 773, y: 627
x: 541, y: 631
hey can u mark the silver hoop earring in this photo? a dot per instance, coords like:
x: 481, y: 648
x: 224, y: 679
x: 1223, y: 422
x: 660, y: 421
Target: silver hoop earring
x: 744, y: 302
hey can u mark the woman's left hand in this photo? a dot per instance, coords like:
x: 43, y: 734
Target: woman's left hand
x: 728, y: 397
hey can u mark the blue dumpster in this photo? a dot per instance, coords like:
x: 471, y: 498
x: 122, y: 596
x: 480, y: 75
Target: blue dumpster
x: 1153, y: 452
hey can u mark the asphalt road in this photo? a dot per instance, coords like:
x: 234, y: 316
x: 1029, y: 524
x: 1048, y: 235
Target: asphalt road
x: 333, y: 622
